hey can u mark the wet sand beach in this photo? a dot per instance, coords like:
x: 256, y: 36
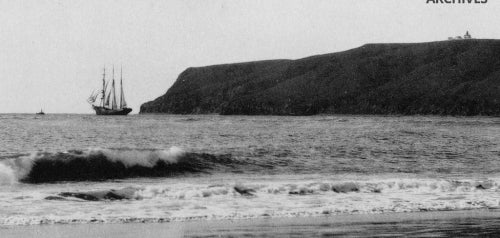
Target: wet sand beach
x: 419, y: 224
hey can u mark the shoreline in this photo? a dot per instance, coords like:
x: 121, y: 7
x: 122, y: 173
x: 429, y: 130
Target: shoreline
x: 444, y: 223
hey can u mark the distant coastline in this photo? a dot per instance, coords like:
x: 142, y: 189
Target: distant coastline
x: 436, y: 78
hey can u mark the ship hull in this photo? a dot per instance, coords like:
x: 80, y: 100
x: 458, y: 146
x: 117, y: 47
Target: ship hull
x: 111, y: 112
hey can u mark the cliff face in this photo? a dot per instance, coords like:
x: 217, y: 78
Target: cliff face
x: 447, y: 78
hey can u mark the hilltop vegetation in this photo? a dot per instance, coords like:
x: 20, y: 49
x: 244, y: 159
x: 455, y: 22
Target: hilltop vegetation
x: 445, y: 78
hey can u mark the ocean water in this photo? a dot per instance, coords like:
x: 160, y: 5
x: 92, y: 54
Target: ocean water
x: 161, y: 168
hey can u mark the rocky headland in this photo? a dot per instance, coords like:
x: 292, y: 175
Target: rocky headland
x: 459, y: 77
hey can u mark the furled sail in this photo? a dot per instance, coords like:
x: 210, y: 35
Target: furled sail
x: 106, y: 103
x: 104, y: 93
x: 123, y: 103
x: 113, y: 97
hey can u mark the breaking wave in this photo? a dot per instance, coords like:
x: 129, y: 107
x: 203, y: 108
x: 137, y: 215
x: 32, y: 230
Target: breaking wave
x: 102, y: 164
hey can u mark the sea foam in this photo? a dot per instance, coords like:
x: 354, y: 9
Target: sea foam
x: 145, y: 158
x: 199, y: 199
x: 7, y: 176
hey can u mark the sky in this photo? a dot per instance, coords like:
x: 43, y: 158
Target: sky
x: 52, y: 53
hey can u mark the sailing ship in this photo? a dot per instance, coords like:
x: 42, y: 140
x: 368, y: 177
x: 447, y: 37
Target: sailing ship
x: 109, y: 105
x: 41, y: 112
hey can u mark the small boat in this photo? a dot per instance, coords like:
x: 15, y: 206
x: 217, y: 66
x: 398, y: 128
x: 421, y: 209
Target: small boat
x: 41, y: 112
x: 109, y: 104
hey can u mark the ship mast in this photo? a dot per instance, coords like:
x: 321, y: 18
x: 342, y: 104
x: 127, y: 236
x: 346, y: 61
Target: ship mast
x: 113, y: 102
x: 103, y: 86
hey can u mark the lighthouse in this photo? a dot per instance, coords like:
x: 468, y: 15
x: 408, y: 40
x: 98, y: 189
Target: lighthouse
x: 467, y: 35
